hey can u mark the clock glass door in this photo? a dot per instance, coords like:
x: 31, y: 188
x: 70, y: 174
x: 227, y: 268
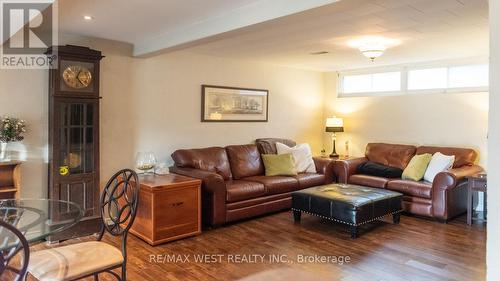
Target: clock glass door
x: 77, y: 154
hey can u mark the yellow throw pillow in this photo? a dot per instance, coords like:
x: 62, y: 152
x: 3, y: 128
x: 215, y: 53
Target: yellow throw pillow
x: 279, y: 164
x: 416, y: 168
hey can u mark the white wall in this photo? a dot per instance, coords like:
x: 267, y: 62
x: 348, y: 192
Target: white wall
x: 167, y: 97
x: 431, y: 119
x: 154, y: 104
x: 493, y: 242
x: 24, y: 94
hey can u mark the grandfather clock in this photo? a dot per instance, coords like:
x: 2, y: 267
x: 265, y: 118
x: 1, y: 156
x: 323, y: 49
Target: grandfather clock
x: 74, y: 135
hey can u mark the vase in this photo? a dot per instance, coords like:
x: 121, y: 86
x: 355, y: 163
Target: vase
x: 146, y: 162
x: 3, y: 152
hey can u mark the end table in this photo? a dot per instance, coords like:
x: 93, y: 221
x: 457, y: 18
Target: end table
x: 169, y: 208
x: 475, y: 183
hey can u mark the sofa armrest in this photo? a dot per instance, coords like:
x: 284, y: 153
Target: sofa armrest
x: 324, y: 166
x: 212, y: 182
x: 450, y: 179
x: 213, y: 194
x: 449, y: 191
x: 343, y: 169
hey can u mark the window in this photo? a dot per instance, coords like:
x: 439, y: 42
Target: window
x: 357, y: 83
x: 433, y: 78
x: 372, y: 83
x: 468, y: 76
x: 463, y: 78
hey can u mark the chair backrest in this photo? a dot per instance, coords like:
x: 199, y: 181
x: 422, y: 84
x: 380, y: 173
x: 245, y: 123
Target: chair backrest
x: 12, y: 242
x: 119, y: 201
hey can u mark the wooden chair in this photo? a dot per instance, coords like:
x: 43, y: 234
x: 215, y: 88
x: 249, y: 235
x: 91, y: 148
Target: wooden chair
x: 118, y: 204
x: 12, y: 243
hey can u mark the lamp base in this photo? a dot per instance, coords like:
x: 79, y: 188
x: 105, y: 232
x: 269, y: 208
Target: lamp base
x: 334, y: 155
x: 334, y: 151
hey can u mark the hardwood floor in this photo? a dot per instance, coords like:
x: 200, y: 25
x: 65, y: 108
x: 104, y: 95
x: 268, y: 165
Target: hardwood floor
x: 416, y: 249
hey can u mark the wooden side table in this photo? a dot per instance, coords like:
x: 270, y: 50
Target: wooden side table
x: 475, y: 183
x: 169, y: 208
x: 341, y: 157
x: 10, y: 178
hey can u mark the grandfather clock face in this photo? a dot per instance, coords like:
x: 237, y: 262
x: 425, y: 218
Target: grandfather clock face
x: 76, y: 76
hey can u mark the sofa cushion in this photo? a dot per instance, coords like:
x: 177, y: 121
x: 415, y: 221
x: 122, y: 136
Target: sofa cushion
x: 245, y: 161
x: 463, y: 156
x: 379, y: 170
x: 212, y: 159
x: 302, y: 156
x: 394, y: 155
x: 366, y: 180
x: 276, y: 184
x: 310, y: 179
x: 417, y: 200
x: 439, y: 163
x: 416, y: 168
x: 279, y: 165
x: 268, y: 145
x: 239, y: 190
x: 414, y: 188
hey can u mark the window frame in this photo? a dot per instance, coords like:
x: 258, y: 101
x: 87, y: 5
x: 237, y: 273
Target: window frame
x: 404, y: 70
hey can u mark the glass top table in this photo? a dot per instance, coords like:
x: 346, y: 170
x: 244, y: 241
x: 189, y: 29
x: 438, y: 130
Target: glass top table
x: 38, y: 218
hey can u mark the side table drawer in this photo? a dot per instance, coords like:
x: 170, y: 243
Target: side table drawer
x: 177, y: 212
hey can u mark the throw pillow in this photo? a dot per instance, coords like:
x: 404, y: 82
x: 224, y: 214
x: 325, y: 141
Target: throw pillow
x: 416, y: 168
x: 279, y: 164
x: 439, y: 163
x: 379, y: 170
x: 302, y: 156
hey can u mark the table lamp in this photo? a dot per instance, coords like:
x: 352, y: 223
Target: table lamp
x: 334, y: 125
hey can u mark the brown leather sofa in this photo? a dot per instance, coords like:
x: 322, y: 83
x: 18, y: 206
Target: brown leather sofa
x: 234, y: 183
x: 442, y: 199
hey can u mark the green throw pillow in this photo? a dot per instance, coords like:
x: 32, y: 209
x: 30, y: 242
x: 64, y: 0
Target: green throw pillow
x: 279, y: 164
x: 416, y: 168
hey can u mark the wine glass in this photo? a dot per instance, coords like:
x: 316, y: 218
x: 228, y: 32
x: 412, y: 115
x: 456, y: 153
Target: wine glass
x: 145, y: 162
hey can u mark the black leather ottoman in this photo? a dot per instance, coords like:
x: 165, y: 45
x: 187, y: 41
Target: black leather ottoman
x: 353, y: 205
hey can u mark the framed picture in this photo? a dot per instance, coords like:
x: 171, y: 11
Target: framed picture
x: 230, y: 104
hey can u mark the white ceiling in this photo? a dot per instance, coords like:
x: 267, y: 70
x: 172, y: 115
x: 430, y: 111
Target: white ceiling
x: 135, y: 20
x: 157, y: 25
x: 285, y: 32
x: 429, y: 30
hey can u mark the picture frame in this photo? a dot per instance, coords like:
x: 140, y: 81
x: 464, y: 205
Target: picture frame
x: 234, y: 104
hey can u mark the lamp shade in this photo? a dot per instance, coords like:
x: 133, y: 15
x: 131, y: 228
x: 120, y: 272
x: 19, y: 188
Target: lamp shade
x: 334, y: 125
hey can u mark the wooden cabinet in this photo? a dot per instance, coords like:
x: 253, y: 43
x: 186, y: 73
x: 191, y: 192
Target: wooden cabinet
x: 10, y: 177
x: 74, y: 135
x: 169, y: 208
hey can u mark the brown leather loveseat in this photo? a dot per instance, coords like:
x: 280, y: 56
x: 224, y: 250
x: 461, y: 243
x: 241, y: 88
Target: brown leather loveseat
x: 442, y: 199
x: 234, y: 183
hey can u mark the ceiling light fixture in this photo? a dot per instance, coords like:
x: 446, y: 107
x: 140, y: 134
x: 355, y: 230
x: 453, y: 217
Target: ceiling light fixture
x: 373, y: 47
x: 88, y: 17
x: 372, y: 52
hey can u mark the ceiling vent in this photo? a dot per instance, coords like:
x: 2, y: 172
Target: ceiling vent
x: 319, y: 53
